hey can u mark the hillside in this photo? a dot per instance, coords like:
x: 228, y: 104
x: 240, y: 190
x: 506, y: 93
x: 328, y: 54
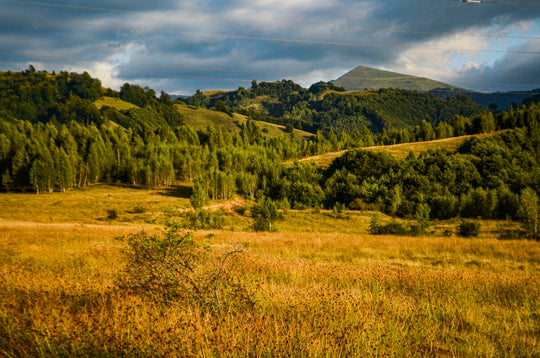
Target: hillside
x: 114, y: 102
x: 398, y: 151
x: 326, y: 106
x: 503, y: 100
x: 364, y: 77
x: 202, y: 118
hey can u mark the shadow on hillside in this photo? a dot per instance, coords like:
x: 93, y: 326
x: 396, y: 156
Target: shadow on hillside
x: 177, y: 191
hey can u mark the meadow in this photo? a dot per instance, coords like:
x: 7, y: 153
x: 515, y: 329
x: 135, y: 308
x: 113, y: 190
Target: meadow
x: 319, y: 286
x: 398, y: 151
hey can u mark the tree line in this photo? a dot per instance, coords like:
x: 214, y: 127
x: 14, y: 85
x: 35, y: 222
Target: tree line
x: 149, y: 146
x: 325, y: 106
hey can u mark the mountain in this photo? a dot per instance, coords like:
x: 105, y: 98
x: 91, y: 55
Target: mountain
x: 363, y: 77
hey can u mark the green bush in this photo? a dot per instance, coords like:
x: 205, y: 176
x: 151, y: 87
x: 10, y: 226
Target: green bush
x: 174, y: 267
x: 468, y: 229
x: 392, y: 228
x: 265, y: 214
x: 204, y: 219
x: 112, y: 214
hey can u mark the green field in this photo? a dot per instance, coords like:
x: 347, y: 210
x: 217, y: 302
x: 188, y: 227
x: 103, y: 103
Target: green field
x: 202, y: 118
x: 319, y: 286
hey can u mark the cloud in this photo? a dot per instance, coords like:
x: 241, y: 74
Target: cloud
x: 182, y: 46
x: 514, y: 71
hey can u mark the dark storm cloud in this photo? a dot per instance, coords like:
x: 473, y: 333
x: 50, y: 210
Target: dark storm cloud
x: 181, y: 46
x: 514, y: 71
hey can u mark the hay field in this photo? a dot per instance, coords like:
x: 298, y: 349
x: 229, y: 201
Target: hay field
x: 320, y: 286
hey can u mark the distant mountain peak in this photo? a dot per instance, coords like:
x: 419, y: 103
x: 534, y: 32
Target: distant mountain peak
x: 363, y: 77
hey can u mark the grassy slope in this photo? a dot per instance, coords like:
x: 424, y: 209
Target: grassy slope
x: 201, y: 118
x: 321, y: 287
x: 365, y: 77
x: 114, y: 103
x: 399, y: 151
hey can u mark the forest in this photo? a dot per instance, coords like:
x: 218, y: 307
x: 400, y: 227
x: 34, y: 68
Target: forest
x: 324, y: 106
x: 53, y: 138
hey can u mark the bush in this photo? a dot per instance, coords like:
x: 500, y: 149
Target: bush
x: 392, y: 228
x: 174, y: 267
x: 138, y: 210
x: 337, y: 211
x: 112, y: 214
x: 240, y: 209
x: 204, y: 219
x: 265, y: 214
x: 512, y: 234
x: 468, y: 229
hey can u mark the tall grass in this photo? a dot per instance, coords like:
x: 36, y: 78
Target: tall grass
x: 315, y: 294
x: 320, y: 287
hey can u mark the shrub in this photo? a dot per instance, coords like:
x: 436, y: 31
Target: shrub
x: 265, y: 214
x: 337, y: 211
x: 204, y: 219
x: 240, y: 209
x: 138, y: 210
x: 392, y: 228
x: 511, y: 234
x: 112, y: 214
x: 174, y: 267
x: 468, y: 229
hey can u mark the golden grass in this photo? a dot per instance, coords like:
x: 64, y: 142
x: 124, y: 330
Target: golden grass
x: 90, y: 205
x: 398, y: 151
x: 317, y: 292
x: 114, y: 103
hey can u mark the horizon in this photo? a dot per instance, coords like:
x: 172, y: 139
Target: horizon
x: 178, y: 47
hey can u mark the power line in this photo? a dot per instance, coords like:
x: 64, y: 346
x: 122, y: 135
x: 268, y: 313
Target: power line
x: 71, y: 7
x: 387, y: 30
x: 417, y: 32
x: 331, y: 43
x: 351, y: 44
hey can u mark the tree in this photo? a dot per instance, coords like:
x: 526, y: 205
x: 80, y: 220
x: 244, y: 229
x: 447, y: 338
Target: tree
x: 265, y: 214
x: 199, y: 198
x: 529, y: 212
x: 422, y: 217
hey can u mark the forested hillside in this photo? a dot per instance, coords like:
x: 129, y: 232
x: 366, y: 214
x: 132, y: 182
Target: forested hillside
x: 51, y: 139
x: 325, y: 106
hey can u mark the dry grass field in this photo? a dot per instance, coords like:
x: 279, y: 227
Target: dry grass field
x: 319, y: 286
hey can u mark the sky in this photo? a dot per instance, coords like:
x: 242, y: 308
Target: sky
x: 180, y: 46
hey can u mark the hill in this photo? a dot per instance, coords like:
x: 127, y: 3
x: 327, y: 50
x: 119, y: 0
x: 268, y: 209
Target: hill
x: 114, y: 102
x: 363, y: 77
x: 398, y: 151
x: 503, y: 100
x: 326, y: 106
x: 202, y: 118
